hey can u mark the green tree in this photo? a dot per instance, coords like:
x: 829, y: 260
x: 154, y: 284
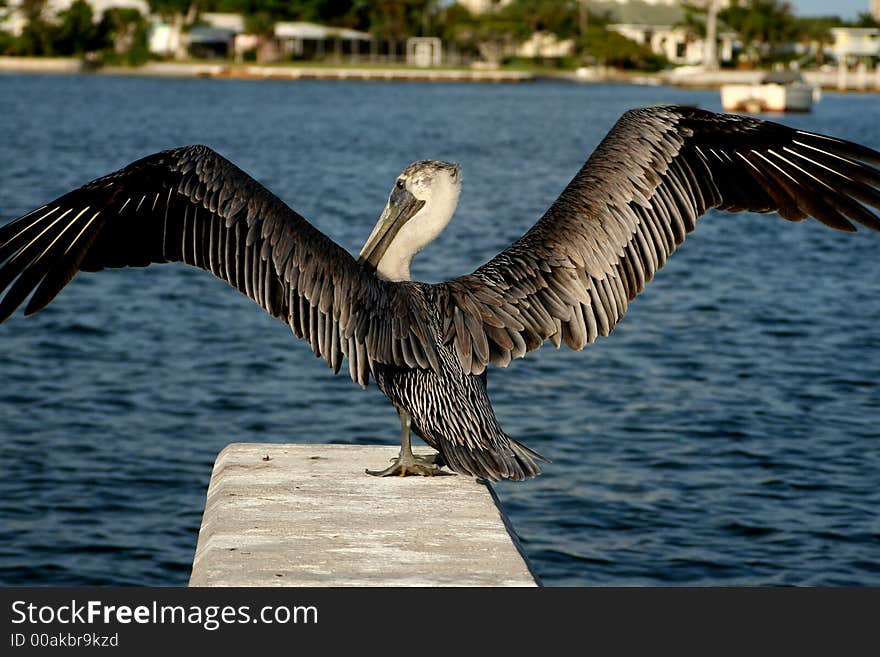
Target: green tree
x: 76, y: 32
x: 343, y: 13
x: 389, y: 18
x: 495, y: 34
x: 38, y: 33
x: 866, y: 19
x: 449, y: 22
x: 330, y: 12
x: 609, y: 48
x: 694, y: 20
x: 123, y: 33
x: 6, y: 40
x: 557, y: 16
x: 395, y: 20
x: 814, y: 32
x: 763, y: 26
x: 168, y: 9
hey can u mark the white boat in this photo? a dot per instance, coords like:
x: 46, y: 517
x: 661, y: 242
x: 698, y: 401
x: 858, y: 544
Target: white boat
x: 782, y: 91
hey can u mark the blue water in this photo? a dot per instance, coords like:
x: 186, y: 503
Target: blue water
x: 726, y: 434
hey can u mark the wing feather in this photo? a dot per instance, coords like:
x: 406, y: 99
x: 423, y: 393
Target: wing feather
x: 628, y: 209
x: 191, y: 205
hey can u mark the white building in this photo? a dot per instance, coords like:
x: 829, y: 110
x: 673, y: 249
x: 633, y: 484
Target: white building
x: 545, y: 44
x: 296, y: 37
x: 851, y: 43
x: 223, y: 21
x: 675, y: 43
x: 657, y: 24
x: 224, y: 35
x: 660, y: 25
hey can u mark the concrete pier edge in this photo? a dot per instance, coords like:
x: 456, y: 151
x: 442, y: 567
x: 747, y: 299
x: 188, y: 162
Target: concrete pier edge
x: 308, y: 515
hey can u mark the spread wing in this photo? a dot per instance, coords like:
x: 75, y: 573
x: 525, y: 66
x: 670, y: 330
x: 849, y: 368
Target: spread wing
x: 193, y: 206
x: 570, y: 277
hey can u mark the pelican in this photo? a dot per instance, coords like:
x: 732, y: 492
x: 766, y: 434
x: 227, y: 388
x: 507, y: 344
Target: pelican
x: 568, y: 279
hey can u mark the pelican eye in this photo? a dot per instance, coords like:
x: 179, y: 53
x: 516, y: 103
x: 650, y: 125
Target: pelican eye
x: 400, y: 183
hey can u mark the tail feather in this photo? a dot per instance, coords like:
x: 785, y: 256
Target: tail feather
x: 508, y: 460
x: 526, y: 457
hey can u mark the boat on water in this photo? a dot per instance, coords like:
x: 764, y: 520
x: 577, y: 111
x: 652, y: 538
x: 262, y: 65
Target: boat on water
x: 778, y: 91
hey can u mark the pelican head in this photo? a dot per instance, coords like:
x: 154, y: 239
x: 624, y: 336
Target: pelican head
x: 419, y: 207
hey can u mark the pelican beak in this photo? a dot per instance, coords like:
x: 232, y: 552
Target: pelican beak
x: 402, y: 206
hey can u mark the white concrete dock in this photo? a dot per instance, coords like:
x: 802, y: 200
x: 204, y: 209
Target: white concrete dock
x: 308, y: 515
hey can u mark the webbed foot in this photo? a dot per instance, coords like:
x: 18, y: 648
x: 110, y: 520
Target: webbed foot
x: 410, y: 464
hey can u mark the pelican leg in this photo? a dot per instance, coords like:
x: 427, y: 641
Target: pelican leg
x: 406, y: 462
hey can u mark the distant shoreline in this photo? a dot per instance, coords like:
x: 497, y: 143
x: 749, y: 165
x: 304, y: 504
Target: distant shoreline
x: 865, y: 81
x: 225, y: 70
